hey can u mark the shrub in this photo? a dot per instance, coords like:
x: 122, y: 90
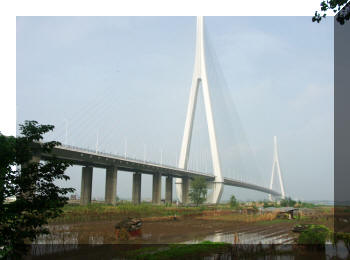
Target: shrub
x: 314, y: 235
x: 233, y: 202
x: 288, y: 202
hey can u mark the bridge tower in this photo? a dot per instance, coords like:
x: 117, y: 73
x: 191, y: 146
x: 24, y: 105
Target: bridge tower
x: 276, y: 165
x: 200, y: 79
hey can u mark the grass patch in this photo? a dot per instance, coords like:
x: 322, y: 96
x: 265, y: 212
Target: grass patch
x: 246, y: 218
x: 73, y: 213
x: 179, y: 251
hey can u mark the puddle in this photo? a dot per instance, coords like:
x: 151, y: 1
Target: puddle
x: 340, y: 251
x: 279, y: 237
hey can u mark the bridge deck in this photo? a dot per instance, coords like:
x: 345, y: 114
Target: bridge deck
x: 85, y: 157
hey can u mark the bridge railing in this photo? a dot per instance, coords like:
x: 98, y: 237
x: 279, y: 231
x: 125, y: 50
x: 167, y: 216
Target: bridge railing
x: 123, y: 157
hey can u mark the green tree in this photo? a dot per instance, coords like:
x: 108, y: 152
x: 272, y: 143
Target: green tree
x: 341, y: 7
x: 287, y: 202
x: 198, y: 190
x: 267, y: 204
x: 32, y: 183
x: 233, y: 202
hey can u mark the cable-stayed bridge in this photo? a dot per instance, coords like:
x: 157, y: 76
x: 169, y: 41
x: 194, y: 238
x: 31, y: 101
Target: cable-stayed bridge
x: 215, y: 177
x: 113, y: 163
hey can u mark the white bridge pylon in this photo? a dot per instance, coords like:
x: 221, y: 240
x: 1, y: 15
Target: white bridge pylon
x: 276, y: 165
x: 200, y: 79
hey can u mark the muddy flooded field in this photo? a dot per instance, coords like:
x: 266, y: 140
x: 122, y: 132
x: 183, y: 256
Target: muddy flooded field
x: 70, y: 239
x: 96, y: 239
x: 188, y: 230
x: 92, y: 240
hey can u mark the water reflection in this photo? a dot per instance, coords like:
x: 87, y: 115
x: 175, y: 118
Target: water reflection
x: 278, y: 237
x: 63, y: 235
x: 95, y: 240
x: 338, y: 251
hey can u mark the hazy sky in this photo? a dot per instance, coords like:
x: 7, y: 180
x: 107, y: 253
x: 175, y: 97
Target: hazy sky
x: 127, y: 80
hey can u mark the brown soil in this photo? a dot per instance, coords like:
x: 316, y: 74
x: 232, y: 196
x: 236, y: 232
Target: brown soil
x: 160, y: 231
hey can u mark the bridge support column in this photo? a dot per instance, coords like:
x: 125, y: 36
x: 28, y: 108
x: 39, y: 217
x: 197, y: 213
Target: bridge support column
x: 111, y: 185
x: 169, y: 190
x: 34, y: 160
x: 185, y: 190
x: 136, y: 188
x: 86, y: 185
x: 157, y: 188
x: 217, y: 190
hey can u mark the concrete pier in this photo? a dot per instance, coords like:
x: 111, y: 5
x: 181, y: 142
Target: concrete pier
x: 35, y: 159
x: 111, y: 185
x: 185, y: 190
x: 136, y: 188
x: 157, y: 188
x: 169, y: 190
x: 86, y: 185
